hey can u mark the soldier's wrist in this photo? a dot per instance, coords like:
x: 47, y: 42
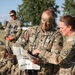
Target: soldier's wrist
x: 42, y: 53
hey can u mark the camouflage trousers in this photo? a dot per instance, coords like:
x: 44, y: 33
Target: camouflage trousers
x: 9, y: 46
x: 16, y: 71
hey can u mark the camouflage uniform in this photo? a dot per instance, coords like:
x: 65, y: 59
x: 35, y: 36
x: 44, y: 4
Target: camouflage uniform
x: 13, y: 29
x: 37, y: 39
x: 66, y: 58
x: 3, y: 62
x: 6, y: 69
x: 15, y: 70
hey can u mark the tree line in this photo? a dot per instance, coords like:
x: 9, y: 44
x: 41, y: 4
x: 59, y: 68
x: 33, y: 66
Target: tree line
x: 29, y: 11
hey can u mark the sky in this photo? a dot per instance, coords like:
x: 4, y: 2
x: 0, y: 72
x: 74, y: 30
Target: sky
x: 59, y: 2
x: 7, y: 5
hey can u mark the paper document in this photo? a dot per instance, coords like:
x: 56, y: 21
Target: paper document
x: 27, y: 64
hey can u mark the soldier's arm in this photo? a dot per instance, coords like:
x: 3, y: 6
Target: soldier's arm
x: 26, y: 35
x: 67, y: 53
x: 19, y: 30
x: 23, y: 40
x: 55, y: 49
x: 7, y: 30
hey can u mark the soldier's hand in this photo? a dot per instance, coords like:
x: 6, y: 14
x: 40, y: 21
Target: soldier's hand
x: 36, y: 52
x: 36, y: 61
x: 9, y: 38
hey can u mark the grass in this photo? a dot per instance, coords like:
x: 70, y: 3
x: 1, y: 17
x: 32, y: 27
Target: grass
x: 2, y: 38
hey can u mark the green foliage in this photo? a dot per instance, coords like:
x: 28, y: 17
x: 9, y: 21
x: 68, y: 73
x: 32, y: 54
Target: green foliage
x: 31, y: 10
x: 0, y: 24
x: 69, y: 7
x: 5, y: 23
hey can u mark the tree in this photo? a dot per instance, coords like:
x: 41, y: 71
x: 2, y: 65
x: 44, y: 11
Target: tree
x: 0, y: 24
x: 5, y: 23
x: 1, y: 27
x: 30, y: 10
x: 69, y: 7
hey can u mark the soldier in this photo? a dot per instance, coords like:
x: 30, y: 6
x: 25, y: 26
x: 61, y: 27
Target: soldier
x: 3, y: 53
x: 13, y: 30
x: 66, y: 58
x: 8, y: 63
x: 42, y: 37
x: 3, y: 60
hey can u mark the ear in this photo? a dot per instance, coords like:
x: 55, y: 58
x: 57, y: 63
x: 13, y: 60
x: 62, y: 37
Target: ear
x: 69, y: 27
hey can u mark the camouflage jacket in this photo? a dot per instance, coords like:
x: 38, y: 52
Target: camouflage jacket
x: 14, y: 28
x: 66, y: 58
x: 67, y: 54
x: 37, y: 39
x: 50, y: 41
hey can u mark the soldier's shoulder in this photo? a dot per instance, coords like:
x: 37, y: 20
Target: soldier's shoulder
x: 10, y: 22
x: 73, y: 34
x: 57, y: 32
x: 71, y: 38
x: 33, y: 28
x: 18, y: 22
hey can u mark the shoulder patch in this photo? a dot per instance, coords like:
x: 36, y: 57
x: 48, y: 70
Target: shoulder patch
x: 65, y: 52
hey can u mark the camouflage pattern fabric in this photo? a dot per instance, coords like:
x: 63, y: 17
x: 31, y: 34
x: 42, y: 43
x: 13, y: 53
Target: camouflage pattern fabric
x: 37, y: 39
x: 5, y: 70
x: 66, y: 58
x: 13, y: 29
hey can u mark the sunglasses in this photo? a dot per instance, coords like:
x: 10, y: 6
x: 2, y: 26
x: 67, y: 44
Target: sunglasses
x: 12, y: 15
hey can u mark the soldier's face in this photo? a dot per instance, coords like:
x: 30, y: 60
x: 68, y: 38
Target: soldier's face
x: 64, y: 29
x: 13, y: 16
x: 46, y: 21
